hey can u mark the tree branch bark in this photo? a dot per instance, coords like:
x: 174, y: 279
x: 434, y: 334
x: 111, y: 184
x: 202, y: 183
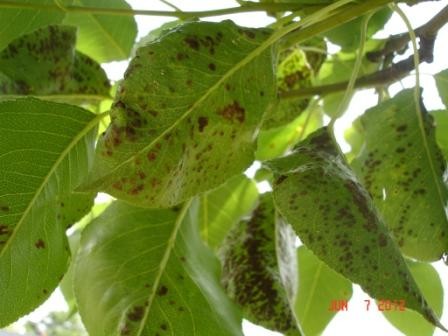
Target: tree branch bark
x: 427, y: 35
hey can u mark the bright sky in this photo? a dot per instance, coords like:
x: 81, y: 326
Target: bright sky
x: 357, y: 321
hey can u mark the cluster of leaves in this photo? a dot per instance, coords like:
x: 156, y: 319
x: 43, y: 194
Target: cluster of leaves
x: 189, y: 247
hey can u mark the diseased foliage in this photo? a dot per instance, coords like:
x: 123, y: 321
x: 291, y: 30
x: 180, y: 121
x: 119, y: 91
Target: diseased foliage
x: 189, y: 245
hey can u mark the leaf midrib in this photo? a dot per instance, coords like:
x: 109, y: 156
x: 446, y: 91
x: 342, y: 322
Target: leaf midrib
x: 105, y: 32
x: 166, y: 256
x: 272, y: 39
x: 92, y: 123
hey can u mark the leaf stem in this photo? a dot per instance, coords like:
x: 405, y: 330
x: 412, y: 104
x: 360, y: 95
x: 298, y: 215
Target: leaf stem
x: 357, y: 66
x: 248, y: 7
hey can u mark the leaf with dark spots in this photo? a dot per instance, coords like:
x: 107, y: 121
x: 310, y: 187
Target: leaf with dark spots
x: 407, y: 187
x: 182, y: 144
x: 44, y: 154
x: 250, y: 271
x: 166, y: 280
x: 295, y: 70
x: 355, y: 242
x: 20, y: 21
x: 45, y: 64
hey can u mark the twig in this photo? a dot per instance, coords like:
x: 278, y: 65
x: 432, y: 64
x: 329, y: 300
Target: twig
x: 427, y: 35
x: 398, y: 43
x: 247, y: 7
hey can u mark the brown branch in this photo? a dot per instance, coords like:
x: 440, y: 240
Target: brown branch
x: 427, y: 35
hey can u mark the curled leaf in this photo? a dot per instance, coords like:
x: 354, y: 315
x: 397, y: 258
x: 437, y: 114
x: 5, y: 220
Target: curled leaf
x: 334, y: 216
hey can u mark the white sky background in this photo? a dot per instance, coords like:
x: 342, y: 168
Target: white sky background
x: 357, y: 321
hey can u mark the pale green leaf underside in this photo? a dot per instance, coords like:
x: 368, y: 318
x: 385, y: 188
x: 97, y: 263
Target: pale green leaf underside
x: 408, y: 321
x: 275, y: 142
x: 250, y: 271
x: 441, y: 120
x: 44, y: 63
x: 404, y: 174
x: 442, y: 85
x: 146, y: 272
x: 16, y: 22
x: 45, y: 151
x: 318, y: 286
x: 223, y: 207
x: 335, y: 218
x: 103, y: 37
x: 185, y: 116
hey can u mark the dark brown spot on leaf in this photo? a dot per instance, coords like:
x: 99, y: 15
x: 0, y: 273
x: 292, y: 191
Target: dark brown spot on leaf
x: 233, y: 112
x: 136, y: 314
x: 40, y: 244
x: 202, y: 122
x: 192, y: 42
x: 382, y: 239
x: 163, y: 290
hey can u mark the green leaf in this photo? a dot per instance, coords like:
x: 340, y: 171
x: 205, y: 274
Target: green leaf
x: 404, y: 174
x: 146, y: 272
x: 44, y: 63
x: 66, y: 284
x: 408, y: 321
x: 442, y: 85
x: 45, y: 152
x: 158, y: 152
x: 348, y: 34
x: 354, y: 136
x: 250, y: 271
x: 275, y: 142
x: 19, y: 21
x: 318, y: 286
x: 103, y: 37
x: 334, y: 216
x: 223, y: 207
x: 441, y: 119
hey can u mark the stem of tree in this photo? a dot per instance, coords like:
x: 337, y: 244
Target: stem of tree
x: 248, y: 7
x: 426, y: 34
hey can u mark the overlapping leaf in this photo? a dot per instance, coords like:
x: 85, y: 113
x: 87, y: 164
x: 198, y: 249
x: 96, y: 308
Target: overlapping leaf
x: 404, y: 174
x: 103, y: 37
x: 318, y: 286
x: 44, y: 63
x: 146, y: 272
x: 251, y: 274
x: 223, y: 207
x: 442, y: 85
x: 20, y: 21
x: 335, y: 218
x: 45, y: 151
x: 348, y: 34
x: 185, y: 116
x: 408, y: 321
x: 276, y: 141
